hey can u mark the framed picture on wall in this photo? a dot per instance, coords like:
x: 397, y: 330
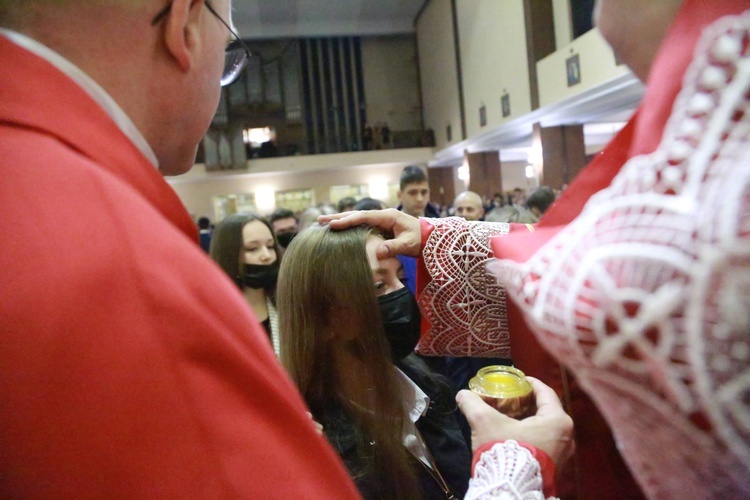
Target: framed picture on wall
x: 573, y: 68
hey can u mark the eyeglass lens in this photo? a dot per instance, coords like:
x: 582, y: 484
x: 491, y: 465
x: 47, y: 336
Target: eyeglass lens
x: 235, y: 55
x: 235, y: 59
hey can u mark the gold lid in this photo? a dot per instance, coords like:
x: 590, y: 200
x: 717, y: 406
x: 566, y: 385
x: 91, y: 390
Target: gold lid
x: 499, y: 381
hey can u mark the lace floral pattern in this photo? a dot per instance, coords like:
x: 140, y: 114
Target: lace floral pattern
x: 646, y: 295
x: 461, y: 296
x: 507, y: 471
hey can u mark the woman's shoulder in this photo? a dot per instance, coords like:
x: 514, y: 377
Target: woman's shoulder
x: 340, y: 429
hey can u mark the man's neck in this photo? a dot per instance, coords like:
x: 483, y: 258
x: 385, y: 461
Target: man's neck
x: 90, y: 86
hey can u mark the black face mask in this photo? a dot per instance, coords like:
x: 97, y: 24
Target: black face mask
x: 285, y: 238
x: 401, y: 321
x: 258, y: 276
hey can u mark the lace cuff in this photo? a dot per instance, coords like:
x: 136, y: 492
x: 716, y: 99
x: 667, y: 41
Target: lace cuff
x: 506, y: 470
x: 462, y: 305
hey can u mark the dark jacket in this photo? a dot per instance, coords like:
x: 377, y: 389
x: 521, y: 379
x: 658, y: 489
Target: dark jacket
x: 438, y: 428
x: 429, y: 210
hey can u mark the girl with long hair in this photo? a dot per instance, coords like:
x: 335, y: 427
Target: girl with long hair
x: 346, y: 324
x: 245, y: 247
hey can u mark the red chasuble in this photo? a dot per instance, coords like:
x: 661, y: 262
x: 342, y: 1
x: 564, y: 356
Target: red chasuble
x: 130, y: 366
x: 636, y: 279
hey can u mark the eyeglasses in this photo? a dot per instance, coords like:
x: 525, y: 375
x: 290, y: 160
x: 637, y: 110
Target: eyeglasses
x: 235, y: 55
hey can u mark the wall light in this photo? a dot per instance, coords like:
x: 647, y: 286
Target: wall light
x: 378, y: 189
x: 257, y: 136
x: 463, y: 172
x: 265, y: 200
x: 534, y: 156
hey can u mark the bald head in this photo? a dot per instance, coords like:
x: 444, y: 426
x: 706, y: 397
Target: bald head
x: 151, y: 69
x: 21, y: 15
x: 635, y: 29
x: 469, y: 206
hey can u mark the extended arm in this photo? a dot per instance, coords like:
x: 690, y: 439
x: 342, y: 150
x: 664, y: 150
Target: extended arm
x: 462, y: 305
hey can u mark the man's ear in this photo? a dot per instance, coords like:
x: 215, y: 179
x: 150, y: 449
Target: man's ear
x: 181, y: 31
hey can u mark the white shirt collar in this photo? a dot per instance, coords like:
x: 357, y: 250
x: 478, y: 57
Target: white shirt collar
x: 417, y: 403
x: 92, y: 88
x: 415, y: 399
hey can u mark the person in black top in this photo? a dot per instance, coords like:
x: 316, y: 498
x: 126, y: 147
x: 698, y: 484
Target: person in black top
x: 348, y: 334
x: 245, y: 247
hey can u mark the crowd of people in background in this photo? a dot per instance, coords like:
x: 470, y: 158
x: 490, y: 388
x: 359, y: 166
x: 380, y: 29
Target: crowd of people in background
x: 512, y: 206
x: 414, y: 199
x: 252, y: 250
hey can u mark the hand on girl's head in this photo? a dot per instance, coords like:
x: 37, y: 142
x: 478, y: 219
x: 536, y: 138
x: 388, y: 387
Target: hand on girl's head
x: 405, y: 228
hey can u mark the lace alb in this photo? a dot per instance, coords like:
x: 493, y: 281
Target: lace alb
x: 506, y: 471
x: 461, y: 297
x: 646, y: 295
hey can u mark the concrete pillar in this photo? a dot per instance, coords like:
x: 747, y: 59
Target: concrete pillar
x: 540, y: 39
x: 442, y: 185
x: 563, y: 153
x: 485, y: 178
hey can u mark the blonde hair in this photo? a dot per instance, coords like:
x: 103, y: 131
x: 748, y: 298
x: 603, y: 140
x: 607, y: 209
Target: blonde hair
x: 334, y: 348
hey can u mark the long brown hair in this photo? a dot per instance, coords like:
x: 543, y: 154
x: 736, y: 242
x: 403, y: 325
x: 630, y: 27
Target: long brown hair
x: 334, y: 347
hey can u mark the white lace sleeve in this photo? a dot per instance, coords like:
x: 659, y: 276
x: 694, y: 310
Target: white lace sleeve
x: 646, y: 295
x: 508, y: 471
x: 463, y: 303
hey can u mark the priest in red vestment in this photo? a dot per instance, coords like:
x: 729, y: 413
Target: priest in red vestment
x: 130, y: 366
x: 637, y: 281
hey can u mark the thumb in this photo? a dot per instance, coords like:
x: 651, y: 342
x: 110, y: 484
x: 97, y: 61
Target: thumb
x: 475, y: 409
x: 386, y: 249
x: 403, y: 244
x: 547, y: 402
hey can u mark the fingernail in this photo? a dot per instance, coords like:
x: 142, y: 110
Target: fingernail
x: 459, y: 396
